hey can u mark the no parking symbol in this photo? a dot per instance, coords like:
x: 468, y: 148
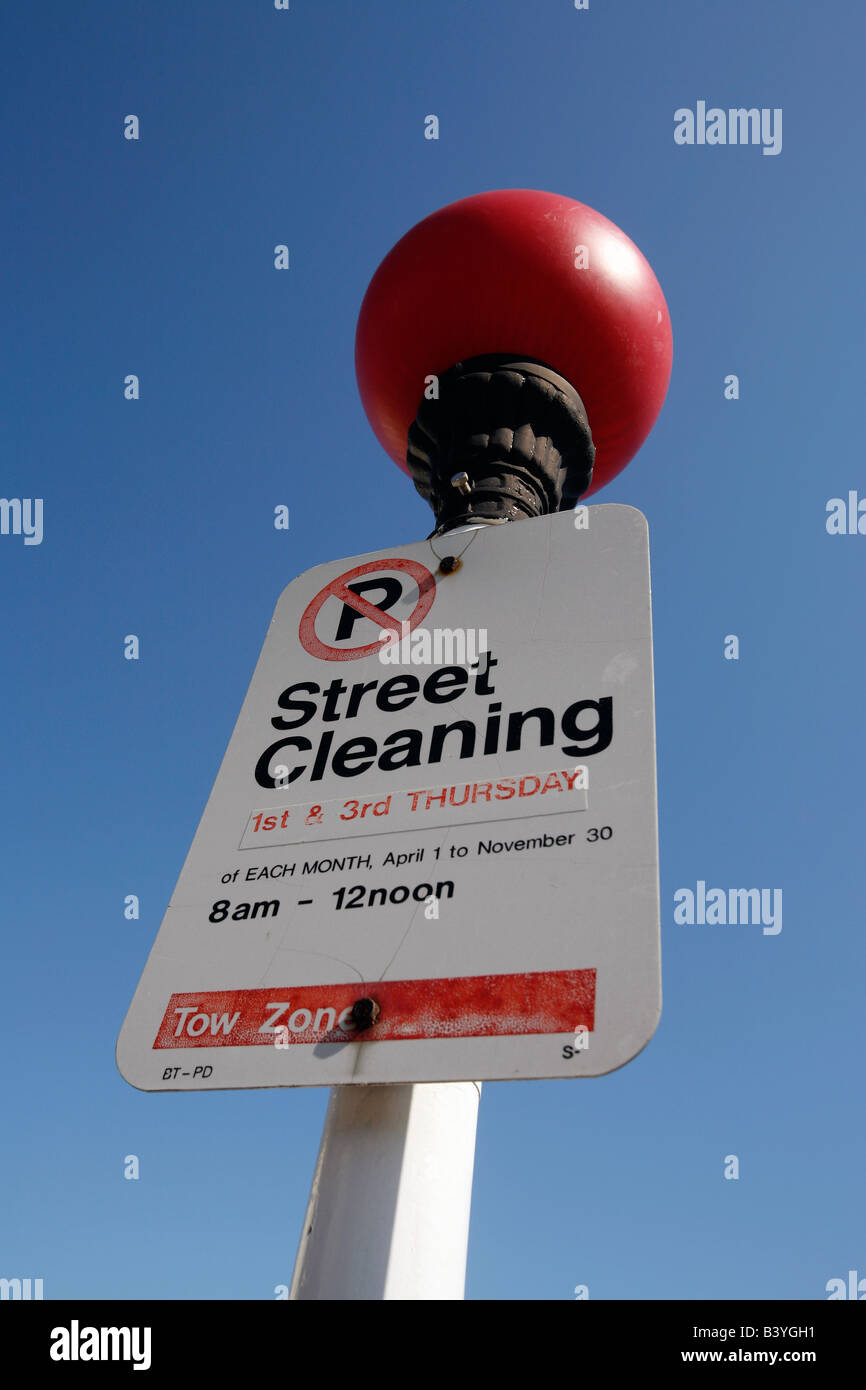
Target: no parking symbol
x: 350, y: 605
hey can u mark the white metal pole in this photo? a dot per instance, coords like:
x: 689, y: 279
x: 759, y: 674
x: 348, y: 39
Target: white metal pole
x: 388, y: 1216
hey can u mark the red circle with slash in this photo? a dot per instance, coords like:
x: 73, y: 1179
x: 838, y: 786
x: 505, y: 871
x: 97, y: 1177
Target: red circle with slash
x: 338, y: 588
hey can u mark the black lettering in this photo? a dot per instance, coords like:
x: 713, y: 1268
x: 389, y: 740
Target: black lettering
x: 266, y: 908
x: 517, y: 720
x: 404, y: 750
x: 388, y: 696
x: 491, y: 736
x: 332, y: 695
x: 482, y: 680
x: 321, y: 762
x: 356, y: 696
x: 440, y: 733
x: 366, y: 748
x: 601, y: 731
x: 307, y: 707
x: 391, y: 588
x: 445, y: 685
x: 263, y: 776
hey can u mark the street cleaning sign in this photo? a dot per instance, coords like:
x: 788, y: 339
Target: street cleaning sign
x: 430, y: 853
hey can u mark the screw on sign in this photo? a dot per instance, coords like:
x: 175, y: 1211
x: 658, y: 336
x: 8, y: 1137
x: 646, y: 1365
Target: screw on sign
x: 355, y: 606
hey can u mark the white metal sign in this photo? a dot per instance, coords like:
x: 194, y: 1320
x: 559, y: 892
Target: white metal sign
x: 440, y: 799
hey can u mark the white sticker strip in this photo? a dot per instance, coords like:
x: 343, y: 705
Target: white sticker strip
x: 425, y: 808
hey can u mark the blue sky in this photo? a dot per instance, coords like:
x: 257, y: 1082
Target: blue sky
x: 156, y: 257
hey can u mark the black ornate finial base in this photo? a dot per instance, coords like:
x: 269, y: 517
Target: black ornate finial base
x: 506, y: 438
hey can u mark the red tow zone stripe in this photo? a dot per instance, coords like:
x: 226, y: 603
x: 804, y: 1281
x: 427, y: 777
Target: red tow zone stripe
x: 470, y: 1006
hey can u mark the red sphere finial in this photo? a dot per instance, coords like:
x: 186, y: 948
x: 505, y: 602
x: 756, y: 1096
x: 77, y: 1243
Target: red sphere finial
x: 526, y: 273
